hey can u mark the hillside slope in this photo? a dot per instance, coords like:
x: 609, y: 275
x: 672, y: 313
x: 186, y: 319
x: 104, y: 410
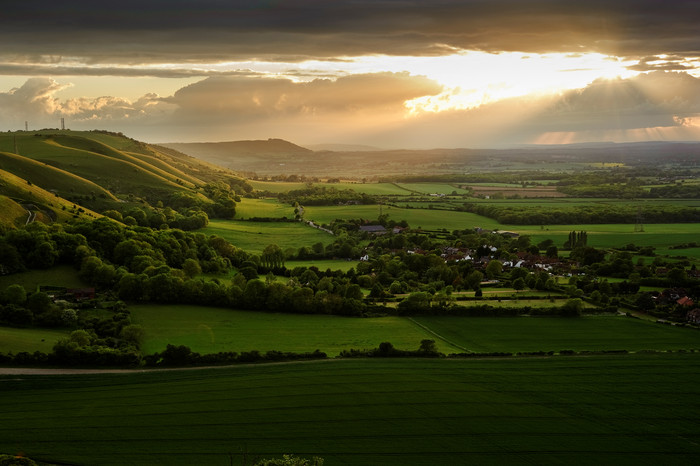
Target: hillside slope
x: 76, y: 172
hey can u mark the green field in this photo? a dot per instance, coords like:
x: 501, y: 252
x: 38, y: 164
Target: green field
x: 323, y: 264
x: 634, y: 409
x: 15, y: 340
x: 433, y: 188
x: 270, y: 208
x: 423, y: 218
x: 255, y: 236
x: 485, y: 334
x: 60, y: 275
x: 210, y: 330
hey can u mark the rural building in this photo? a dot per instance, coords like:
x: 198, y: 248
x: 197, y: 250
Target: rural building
x: 373, y: 229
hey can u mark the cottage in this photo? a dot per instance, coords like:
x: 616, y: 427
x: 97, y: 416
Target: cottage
x: 373, y: 229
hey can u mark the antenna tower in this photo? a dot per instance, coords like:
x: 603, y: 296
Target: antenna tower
x: 26, y: 125
x: 63, y: 123
x: 639, y: 225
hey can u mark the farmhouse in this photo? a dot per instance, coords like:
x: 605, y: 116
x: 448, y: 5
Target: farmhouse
x: 373, y: 229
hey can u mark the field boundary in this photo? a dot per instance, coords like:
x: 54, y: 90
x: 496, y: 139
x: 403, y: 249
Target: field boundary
x: 449, y: 342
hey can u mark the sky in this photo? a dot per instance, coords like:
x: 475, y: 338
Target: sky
x: 385, y: 73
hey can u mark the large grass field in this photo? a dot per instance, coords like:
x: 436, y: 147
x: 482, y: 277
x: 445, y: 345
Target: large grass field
x: 593, y: 333
x: 210, y: 330
x: 15, y: 340
x: 271, y: 208
x: 323, y: 264
x: 255, y: 236
x: 423, y: 218
x: 630, y: 410
x: 60, y: 275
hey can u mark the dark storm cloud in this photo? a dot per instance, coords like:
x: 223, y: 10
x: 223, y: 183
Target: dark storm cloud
x: 156, y: 30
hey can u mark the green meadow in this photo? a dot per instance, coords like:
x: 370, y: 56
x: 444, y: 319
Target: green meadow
x: 270, y: 208
x: 15, y: 340
x: 210, y: 330
x: 60, y: 275
x: 590, y: 333
x: 417, y: 218
x: 628, y: 409
x: 323, y: 264
x: 255, y: 236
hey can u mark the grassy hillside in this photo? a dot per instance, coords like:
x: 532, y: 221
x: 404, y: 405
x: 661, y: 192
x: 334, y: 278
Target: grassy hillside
x: 46, y: 203
x: 99, y: 171
x: 61, y: 182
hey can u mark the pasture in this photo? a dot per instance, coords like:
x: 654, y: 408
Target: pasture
x: 632, y: 409
x: 426, y: 219
x: 210, y: 330
x: 60, y: 275
x: 323, y: 264
x: 270, y: 208
x: 590, y: 333
x: 15, y: 340
x: 253, y: 237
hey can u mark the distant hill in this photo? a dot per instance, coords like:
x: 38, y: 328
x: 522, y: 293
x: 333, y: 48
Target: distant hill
x: 344, y: 148
x: 281, y: 158
x: 246, y: 156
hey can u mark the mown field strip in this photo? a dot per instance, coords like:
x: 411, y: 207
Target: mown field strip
x: 576, y: 410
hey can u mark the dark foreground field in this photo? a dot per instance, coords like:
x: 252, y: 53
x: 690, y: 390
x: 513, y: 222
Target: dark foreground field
x: 626, y: 409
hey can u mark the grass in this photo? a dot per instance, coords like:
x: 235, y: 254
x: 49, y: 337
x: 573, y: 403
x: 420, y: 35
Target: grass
x: 210, y: 330
x: 484, y: 334
x: 255, y: 236
x: 270, y: 208
x: 433, y: 188
x: 16, y: 340
x: 60, y: 275
x: 635, y: 409
x: 425, y: 218
x: 323, y: 264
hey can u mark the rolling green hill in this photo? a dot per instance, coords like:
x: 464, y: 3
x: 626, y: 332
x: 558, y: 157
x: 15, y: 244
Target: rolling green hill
x: 66, y: 171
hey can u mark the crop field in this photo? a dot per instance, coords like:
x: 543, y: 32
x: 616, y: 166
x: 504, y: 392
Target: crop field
x: 424, y: 218
x: 270, y: 208
x: 255, y: 236
x: 634, y: 409
x: 210, y: 330
x: 60, y: 275
x: 433, y: 188
x: 15, y: 340
x: 514, y: 334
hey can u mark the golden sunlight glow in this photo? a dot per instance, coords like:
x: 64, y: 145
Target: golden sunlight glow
x: 470, y: 79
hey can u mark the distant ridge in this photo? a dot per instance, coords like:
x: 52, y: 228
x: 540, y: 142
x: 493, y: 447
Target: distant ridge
x: 344, y: 148
x: 269, y: 146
